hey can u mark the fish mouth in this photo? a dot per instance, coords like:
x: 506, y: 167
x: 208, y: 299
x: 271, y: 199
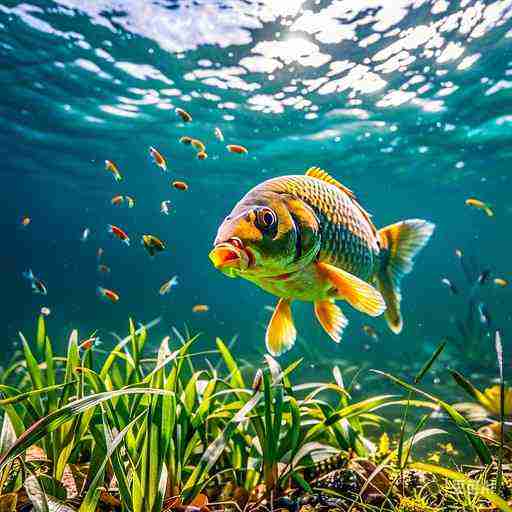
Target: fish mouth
x: 231, y: 257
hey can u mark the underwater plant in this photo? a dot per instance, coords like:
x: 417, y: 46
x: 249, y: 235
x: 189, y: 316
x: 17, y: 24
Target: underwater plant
x: 138, y: 431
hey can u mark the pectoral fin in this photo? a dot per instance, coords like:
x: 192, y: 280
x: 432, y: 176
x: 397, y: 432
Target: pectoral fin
x: 358, y: 293
x: 281, y: 332
x: 331, y: 318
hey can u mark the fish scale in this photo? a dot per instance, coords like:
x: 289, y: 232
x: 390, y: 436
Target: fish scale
x: 348, y: 239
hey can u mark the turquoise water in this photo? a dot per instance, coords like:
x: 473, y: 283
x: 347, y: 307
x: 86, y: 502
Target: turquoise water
x: 408, y: 103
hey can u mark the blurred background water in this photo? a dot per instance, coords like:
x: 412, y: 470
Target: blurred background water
x: 407, y: 102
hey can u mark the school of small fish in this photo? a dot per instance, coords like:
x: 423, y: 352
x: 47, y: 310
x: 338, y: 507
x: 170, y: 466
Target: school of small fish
x: 151, y: 242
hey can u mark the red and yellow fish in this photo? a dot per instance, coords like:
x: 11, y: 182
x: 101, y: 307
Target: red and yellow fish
x: 307, y: 238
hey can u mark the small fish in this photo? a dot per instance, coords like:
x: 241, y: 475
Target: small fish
x: 158, y: 158
x: 112, y: 167
x: 197, y: 144
x: 180, y: 185
x: 236, y: 148
x: 117, y: 200
x: 37, y: 285
x: 110, y: 295
x: 185, y: 116
x: 186, y: 140
x: 458, y: 253
x: 168, y: 285
x: 165, y: 207
x: 449, y: 285
x: 85, y: 234
x: 371, y: 332
x: 448, y: 449
x: 25, y: 221
x: 499, y: 281
x: 218, y: 134
x: 480, y: 205
x: 103, y: 269
x: 99, y: 253
x: 434, y: 457
x: 89, y: 342
x: 130, y: 201
x: 152, y: 244
x: 202, y: 155
x: 119, y: 233
x: 483, y: 277
x: 306, y: 237
x: 483, y: 313
x: 258, y: 380
x: 45, y: 311
x: 200, y: 308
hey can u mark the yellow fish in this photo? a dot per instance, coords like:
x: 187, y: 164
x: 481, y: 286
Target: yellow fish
x: 480, y: 205
x: 307, y: 238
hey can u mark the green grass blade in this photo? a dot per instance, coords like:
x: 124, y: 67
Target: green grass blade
x: 236, y: 380
x: 482, y: 490
x: 57, y: 418
x: 91, y: 497
x: 426, y: 367
x: 478, y: 445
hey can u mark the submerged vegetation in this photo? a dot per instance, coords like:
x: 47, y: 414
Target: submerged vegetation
x: 132, y: 432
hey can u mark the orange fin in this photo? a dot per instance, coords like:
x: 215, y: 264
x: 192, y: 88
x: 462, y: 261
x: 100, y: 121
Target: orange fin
x: 358, y: 293
x: 281, y: 332
x: 400, y: 243
x: 320, y: 174
x: 331, y: 318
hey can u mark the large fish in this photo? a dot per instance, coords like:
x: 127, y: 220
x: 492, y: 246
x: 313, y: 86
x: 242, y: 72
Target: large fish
x: 307, y: 238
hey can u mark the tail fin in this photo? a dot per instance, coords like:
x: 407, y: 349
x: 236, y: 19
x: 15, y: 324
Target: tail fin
x: 400, y: 243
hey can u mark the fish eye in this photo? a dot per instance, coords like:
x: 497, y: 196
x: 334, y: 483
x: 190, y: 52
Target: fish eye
x: 265, y: 218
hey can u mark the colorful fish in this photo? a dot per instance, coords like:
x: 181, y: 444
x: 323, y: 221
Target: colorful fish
x: 85, y: 235
x: 110, y: 295
x: 168, y: 285
x: 180, y: 185
x: 371, y: 332
x: 112, y: 167
x: 185, y: 116
x: 307, y: 238
x: 165, y: 207
x: 186, y: 140
x: 25, y: 221
x: 499, y: 281
x: 237, y: 148
x: 36, y: 284
x: 198, y: 145
x: 158, y: 158
x: 449, y: 285
x: 200, y: 308
x: 202, y: 155
x: 117, y: 200
x: 218, y: 134
x: 119, y: 233
x: 480, y: 205
x: 152, y: 244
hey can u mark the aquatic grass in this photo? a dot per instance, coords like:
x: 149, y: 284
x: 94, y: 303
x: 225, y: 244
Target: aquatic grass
x: 458, y: 419
x: 160, y: 430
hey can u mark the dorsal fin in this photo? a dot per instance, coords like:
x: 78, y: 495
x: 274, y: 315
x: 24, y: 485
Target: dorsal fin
x: 320, y: 174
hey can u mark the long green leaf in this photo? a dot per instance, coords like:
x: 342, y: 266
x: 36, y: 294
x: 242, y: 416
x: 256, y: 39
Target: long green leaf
x: 478, y: 445
x: 480, y: 489
x: 57, y: 418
